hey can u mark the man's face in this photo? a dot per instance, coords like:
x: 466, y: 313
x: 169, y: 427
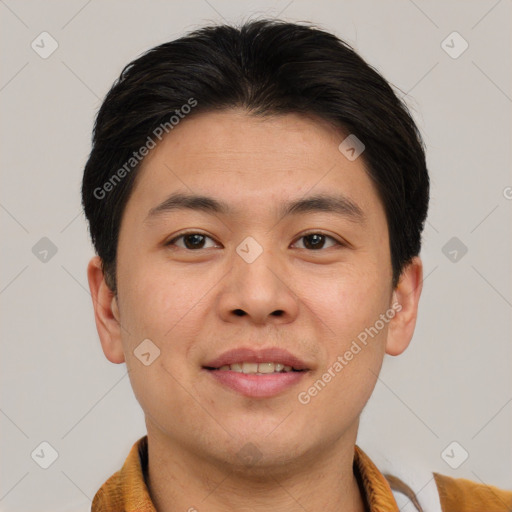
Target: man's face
x: 308, y: 282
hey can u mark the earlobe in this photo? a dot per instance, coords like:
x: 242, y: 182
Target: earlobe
x: 405, y: 302
x: 106, y: 313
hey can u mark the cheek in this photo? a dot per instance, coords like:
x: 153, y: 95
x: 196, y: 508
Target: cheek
x: 354, y: 355
x: 168, y: 309
x: 159, y: 303
x: 159, y: 390
x: 345, y: 308
x: 159, y: 306
x: 345, y: 302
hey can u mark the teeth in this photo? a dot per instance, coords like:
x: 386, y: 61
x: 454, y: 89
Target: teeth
x: 251, y: 368
x: 266, y: 367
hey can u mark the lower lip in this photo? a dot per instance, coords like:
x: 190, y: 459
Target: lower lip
x: 257, y: 386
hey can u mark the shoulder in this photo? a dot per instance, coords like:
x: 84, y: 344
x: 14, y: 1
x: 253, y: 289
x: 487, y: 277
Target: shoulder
x: 435, y: 492
x: 110, y: 495
x: 126, y: 489
x: 457, y: 494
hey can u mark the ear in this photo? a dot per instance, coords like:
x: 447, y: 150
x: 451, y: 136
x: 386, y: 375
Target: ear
x: 106, y: 312
x: 405, y: 302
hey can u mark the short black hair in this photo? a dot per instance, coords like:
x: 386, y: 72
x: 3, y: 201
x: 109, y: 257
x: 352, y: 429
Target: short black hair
x: 267, y: 67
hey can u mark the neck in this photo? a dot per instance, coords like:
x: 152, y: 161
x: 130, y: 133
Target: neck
x: 181, y: 481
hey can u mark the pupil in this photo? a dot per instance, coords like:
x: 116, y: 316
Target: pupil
x: 317, y: 238
x: 314, y: 241
x: 198, y: 239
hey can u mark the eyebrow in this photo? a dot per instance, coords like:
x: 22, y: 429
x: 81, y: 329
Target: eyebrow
x: 338, y: 204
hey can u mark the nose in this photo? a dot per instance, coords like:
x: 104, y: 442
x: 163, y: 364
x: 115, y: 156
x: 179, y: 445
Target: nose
x: 258, y: 292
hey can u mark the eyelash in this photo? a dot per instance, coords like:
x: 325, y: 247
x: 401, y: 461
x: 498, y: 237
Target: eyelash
x: 182, y: 235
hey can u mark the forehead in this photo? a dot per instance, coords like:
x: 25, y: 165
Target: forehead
x: 234, y: 132
x: 245, y: 161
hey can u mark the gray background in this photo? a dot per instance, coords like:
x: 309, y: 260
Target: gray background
x: 454, y: 381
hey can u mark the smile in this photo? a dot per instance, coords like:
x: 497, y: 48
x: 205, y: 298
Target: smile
x: 261, y: 373
x: 257, y: 368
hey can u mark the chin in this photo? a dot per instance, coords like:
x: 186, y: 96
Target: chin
x: 261, y: 458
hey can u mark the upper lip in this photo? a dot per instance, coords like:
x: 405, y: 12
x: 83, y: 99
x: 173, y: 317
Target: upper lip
x: 266, y: 355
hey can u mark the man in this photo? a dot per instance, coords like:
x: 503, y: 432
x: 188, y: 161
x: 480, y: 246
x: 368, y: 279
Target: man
x: 256, y: 198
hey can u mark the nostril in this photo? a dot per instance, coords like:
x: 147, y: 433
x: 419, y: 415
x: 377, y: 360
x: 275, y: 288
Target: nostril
x: 241, y: 312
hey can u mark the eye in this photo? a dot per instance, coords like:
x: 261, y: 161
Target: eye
x: 195, y: 240
x: 191, y: 240
x: 316, y: 241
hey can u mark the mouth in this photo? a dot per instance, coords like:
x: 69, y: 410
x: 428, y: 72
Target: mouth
x: 257, y: 374
x: 249, y: 368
